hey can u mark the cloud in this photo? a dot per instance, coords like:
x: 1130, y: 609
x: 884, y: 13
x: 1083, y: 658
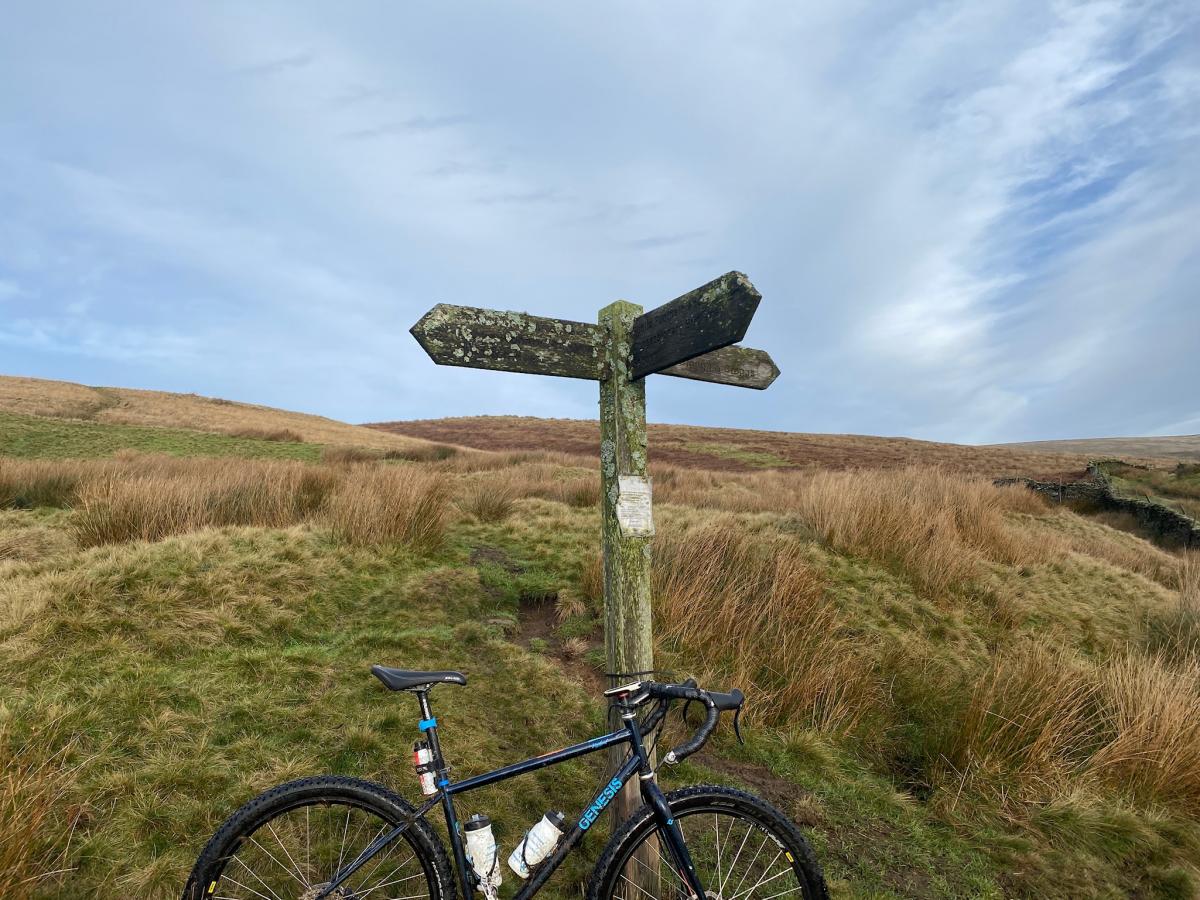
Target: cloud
x: 968, y: 221
x: 10, y: 290
x: 658, y: 241
x: 282, y: 64
x: 413, y: 125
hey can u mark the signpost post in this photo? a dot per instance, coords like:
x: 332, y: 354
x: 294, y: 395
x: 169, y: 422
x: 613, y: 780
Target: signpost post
x: 690, y: 337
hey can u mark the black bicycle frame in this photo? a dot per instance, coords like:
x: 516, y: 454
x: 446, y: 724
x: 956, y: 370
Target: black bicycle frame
x: 638, y: 762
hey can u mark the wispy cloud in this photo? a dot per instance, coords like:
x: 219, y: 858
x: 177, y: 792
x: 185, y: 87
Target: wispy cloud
x: 412, y: 125
x: 10, y: 290
x: 269, y: 67
x: 658, y: 241
x: 969, y: 221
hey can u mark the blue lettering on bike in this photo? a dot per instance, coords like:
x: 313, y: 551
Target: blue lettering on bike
x: 593, y: 812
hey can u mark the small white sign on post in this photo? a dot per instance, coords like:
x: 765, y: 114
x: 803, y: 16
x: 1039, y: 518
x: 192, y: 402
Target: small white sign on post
x: 633, y: 506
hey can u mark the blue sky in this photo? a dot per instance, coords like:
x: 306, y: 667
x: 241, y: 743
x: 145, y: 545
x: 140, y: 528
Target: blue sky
x: 969, y: 221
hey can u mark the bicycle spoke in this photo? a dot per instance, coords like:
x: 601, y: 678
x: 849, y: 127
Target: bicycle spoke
x: 764, y: 879
x: 736, y: 857
x: 727, y: 863
x: 242, y: 863
x: 299, y: 874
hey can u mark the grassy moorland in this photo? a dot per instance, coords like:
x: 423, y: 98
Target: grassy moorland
x: 957, y: 690
x: 1183, y: 447
x: 1177, y: 487
x: 739, y: 450
x: 64, y: 400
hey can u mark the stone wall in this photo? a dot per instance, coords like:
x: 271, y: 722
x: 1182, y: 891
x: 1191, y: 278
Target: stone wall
x: 1166, y: 525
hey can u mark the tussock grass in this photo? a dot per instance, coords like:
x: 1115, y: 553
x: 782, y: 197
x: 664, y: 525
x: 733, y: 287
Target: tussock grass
x: 755, y: 607
x: 1154, y: 711
x: 348, y: 456
x: 392, y: 505
x: 117, y: 508
x: 1175, y: 633
x: 1030, y: 725
x: 422, y: 453
x: 935, y: 526
x: 1043, y: 721
x: 26, y: 484
x: 282, y: 435
x: 148, y: 498
x: 36, y: 819
x: 488, y: 499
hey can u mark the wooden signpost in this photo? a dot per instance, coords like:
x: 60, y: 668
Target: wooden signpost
x: 690, y: 337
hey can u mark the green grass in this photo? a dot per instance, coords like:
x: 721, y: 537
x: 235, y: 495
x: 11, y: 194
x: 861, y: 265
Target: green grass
x: 199, y: 670
x: 759, y: 459
x: 31, y: 437
x: 1177, y: 488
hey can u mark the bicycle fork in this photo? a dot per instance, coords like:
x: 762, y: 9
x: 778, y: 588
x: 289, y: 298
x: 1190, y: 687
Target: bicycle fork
x: 654, y: 797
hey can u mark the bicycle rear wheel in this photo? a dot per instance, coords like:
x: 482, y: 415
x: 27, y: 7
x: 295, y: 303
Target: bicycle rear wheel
x: 288, y: 843
x: 741, y: 846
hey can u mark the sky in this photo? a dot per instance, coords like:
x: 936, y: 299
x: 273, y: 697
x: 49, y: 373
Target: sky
x: 971, y: 222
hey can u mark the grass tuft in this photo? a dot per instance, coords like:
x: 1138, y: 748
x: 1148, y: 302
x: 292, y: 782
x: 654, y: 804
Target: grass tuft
x: 36, y: 819
x: 488, y: 499
x: 394, y: 505
x: 755, y: 610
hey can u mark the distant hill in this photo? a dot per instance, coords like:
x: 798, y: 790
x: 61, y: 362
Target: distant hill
x: 737, y: 449
x: 125, y: 406
x: 1185, y: 447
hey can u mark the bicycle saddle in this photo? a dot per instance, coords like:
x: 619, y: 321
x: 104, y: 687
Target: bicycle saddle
x: 408, y: 679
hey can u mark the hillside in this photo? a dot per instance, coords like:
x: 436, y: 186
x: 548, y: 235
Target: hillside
x: 1185, y: 447
x: 733, y: 449
x: 124, y: 406
x: 956, y: 690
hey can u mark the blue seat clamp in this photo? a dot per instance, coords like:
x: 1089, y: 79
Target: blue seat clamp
x: 426, y: 724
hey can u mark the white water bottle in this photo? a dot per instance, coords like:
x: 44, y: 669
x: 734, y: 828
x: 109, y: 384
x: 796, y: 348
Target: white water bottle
x: 538, y: 843
x: 481, y: 849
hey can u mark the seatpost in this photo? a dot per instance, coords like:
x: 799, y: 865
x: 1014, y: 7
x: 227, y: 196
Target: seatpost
x: 428, y: 726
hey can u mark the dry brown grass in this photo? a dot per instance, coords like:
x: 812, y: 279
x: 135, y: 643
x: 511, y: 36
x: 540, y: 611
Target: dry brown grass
x: 1154, y: 710
x: 31, y: 483
x: 348, y: 456
x: 268, y: 434
x: 391, y: 505
x: 1086, y: 535
x: 936, y: 527
x: 124, y: 406
x: 488, y: 499
x: 1043, y: 721
x: 591, y: 579
x: 152, y: 497
x: 1175, y: 633
x: 36, y: 821
x: 116, y: 508
x: 741, y: 450
x: 754, y: 608
x: 1029, y: 727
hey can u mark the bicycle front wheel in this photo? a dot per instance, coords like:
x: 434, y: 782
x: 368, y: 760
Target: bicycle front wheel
x: 288, y: 843
x: 742, y: 848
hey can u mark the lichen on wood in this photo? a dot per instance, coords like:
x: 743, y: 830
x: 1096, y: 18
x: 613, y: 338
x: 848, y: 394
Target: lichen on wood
x: 510, y: 342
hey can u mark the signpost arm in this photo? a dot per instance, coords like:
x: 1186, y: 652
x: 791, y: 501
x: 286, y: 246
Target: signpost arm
x: 627, y: 635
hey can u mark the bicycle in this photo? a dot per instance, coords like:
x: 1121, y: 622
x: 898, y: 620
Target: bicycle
x: 340, y: 838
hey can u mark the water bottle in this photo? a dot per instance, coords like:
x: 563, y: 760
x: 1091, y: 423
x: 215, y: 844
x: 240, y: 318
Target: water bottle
x: 423, y: 763
x: 481, y: 850
x: 538, y: 843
